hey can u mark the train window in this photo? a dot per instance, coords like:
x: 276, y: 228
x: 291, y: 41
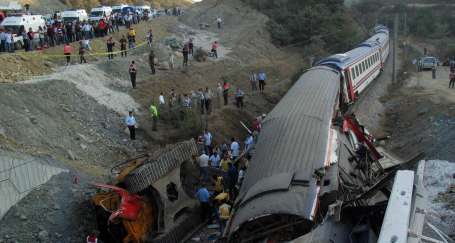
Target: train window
x: 357, y: 71
x: 363, y: 66
x: 352, y: 74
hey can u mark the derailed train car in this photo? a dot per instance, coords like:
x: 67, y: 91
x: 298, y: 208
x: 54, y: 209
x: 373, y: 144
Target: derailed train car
x: 312, y: 158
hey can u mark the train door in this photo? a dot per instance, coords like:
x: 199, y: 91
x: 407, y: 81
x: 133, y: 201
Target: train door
x: 346, y: 96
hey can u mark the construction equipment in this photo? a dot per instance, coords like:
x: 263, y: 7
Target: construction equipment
x: 133, y: 209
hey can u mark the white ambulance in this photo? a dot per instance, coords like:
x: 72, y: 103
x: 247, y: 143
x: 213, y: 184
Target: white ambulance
x: 71, y: 15
x: 16, y: 24
x: 98, y: 13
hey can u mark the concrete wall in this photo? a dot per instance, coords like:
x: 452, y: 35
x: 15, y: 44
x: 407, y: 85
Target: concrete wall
x: 20, y: 174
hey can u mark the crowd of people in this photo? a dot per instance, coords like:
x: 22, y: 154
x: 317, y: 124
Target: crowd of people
x: 57, y: 32
x: 222, y: 170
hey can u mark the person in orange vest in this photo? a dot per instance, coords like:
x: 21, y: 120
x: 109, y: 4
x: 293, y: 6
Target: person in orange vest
x: 67, y: 51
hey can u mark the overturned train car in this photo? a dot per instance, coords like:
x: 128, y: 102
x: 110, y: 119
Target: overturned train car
x: 310, y: 156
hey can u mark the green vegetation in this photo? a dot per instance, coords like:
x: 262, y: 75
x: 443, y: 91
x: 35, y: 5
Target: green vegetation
x: 431, y: 23
x: 321, y: 24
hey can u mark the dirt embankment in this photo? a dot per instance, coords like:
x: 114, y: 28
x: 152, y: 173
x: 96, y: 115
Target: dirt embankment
x: 76, y: 114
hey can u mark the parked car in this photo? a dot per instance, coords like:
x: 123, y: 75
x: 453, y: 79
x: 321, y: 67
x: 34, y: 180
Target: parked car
x: 428, y: 63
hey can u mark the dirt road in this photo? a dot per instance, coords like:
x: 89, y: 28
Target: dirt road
x: 420, y: 115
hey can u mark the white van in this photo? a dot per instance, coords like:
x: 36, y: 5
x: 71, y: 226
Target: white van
x: 74, y: 15
x: 16, y: 24
x: 100, y: 12
x: 118, y: 9
x: 144, y: 11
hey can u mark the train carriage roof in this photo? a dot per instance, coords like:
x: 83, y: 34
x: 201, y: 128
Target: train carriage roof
x: 291, y: 146
x: 342, y: 61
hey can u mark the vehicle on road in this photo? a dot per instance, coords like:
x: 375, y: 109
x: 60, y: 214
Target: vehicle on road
x: 428, y: 63
x: 17, y: 24
x: 74, y: 15
x: 100, y: 12
x: 118, y: 9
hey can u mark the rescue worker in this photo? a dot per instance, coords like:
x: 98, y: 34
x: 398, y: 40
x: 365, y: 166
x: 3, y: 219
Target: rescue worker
x: 152, y: 61
x: 130, y: 121
x: 224, y: 211
x: 154, y: 113
x: 133, y: 70
x: 67, y: 51
x: 131, y: 38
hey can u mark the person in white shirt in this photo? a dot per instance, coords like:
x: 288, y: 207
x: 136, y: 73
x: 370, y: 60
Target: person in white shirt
x: 9, y: 42
x: 207, y: 141
x: 218, y: 22
x: 130, y: 121
x: 161, y: 100
x: 203, y: 161
x: 86, y: 44
x: 171, y: 60
x: 235, y: 149
x: 249, y: 142
x: 2, y: 41
x: 215, y: 160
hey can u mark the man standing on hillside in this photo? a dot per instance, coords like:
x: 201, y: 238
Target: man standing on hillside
x: 154, y: 113
x: 262, y: 77
x: 67, y: 51
x: 152, y: 61
x: 132, y: 70
x: 235, y: 149
x: 131, y: 123
x: 219, y: 21
x: 185, y: 52
x: 82, y: 52
x: 110, y: 48
x: 123, y: 46
x: 239, y: 98
x: 150, y: 38
x: 226, y: 88
x: 208, y: 99
x: 254, y: 81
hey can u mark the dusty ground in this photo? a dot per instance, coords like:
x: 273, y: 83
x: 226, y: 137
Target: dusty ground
x: 417, y: 113
x: 75, y: 114
x: 420, y: 116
